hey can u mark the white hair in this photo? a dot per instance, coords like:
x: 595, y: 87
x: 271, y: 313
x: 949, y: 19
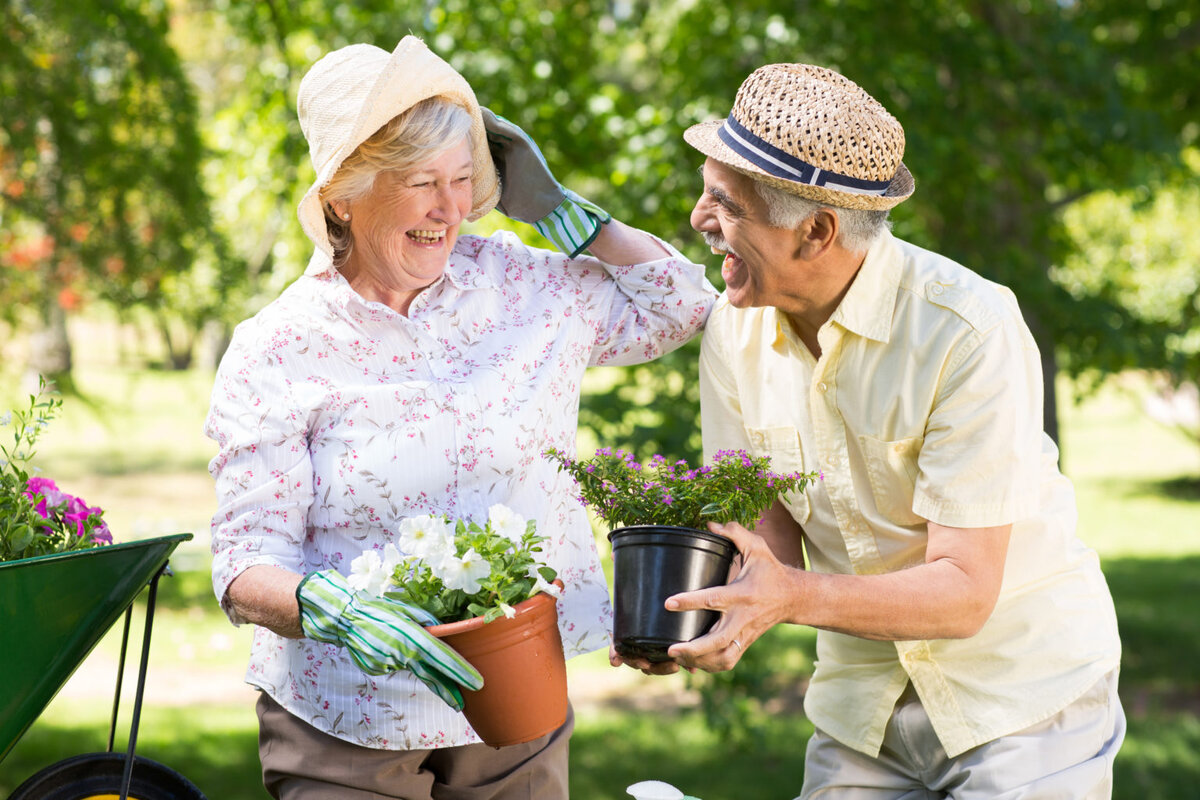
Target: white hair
x: 858, y: 228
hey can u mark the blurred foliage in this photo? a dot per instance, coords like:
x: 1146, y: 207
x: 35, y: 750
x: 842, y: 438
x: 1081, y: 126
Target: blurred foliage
x: 1135, y: 249
x: 1017, y: 111
x: 770, y: 681
x: 99, y: 158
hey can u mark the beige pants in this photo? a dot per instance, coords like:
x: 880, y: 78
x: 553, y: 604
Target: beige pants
x: 300, y: 762
x: 1067, y: 757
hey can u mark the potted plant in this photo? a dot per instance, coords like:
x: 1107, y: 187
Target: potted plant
x: 36, y: 517
x: 661, y: 546
x: 496, y: 605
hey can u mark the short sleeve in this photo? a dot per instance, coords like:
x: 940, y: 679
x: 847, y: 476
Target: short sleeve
x: 980, y: 460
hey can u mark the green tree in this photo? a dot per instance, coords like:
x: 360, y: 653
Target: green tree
x: 1134, y: 248
x: 99, y: 162
x: 1013, y: 113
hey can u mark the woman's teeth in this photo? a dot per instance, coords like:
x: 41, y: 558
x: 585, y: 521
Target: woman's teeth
x: 427, y: 237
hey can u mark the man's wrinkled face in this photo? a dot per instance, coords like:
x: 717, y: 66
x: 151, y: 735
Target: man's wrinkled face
x: 732, y: 218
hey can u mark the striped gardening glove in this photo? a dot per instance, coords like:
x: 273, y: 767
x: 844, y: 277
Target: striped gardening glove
x: 529, y: 192
x: 383, y: 635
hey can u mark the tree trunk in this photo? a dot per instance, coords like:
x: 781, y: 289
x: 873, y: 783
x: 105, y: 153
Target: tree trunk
x: 50, y: 349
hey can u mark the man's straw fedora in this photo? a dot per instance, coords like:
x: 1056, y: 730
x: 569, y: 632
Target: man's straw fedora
x: 811, y: 132
x: 351, y: 93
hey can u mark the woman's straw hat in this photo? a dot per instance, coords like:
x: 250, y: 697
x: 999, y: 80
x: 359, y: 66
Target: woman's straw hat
x: 811, y: 132
x: 353, y: 92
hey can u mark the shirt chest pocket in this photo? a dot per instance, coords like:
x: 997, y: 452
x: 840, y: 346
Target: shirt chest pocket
x: 892, y: 469
x: 781, y: 444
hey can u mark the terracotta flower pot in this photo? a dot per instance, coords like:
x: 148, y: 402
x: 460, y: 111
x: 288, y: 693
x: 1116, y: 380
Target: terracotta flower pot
x: 651, y: 563
x: 524, y: 694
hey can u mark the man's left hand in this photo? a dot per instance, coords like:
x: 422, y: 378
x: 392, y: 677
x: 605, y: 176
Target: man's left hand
x: 761, y: 595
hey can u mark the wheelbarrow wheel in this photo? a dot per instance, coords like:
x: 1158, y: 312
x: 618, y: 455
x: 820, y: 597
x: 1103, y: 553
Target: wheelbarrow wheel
x: 98, y: 776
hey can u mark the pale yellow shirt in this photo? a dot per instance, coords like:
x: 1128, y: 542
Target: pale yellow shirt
x: 926, y: 404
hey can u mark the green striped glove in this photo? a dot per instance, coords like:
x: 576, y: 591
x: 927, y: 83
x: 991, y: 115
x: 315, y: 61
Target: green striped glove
x: 529, y: 192
x: 382, y: 634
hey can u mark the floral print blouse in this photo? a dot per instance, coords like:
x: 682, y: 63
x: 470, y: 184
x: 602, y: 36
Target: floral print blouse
x: 336, y: 418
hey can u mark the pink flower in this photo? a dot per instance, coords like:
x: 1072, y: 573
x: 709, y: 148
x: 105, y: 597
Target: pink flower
x: 50, y: 495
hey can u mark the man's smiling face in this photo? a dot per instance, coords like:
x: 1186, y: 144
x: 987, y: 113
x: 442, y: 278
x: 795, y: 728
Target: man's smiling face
x: 733, y: 219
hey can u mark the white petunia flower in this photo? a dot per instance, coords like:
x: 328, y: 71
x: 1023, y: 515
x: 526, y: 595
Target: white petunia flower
x: 506, y: 522
x: 431, y: 538
x: 540, y: 584
x: 367, y: 573
x: 654, y: 790
x: 508, y: 610
x: 392, y: 557
x: 465, y: 572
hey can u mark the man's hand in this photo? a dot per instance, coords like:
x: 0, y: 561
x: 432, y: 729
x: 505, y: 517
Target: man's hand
x: 761, y: 595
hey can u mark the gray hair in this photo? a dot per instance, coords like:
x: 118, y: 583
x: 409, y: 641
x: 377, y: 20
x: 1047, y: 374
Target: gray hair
x: 409, y: 139
x: 858, y: 229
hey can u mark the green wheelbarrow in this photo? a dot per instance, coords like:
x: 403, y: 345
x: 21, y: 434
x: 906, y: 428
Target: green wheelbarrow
x: 55, y: 609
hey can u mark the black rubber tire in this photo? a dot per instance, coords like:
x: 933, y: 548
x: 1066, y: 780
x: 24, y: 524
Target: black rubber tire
x: 98, y: 776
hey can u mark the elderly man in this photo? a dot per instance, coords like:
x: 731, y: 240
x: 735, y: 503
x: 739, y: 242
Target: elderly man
x: 967, y: 642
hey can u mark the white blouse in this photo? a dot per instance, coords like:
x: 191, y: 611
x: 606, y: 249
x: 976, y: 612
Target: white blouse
x: 337, y: 417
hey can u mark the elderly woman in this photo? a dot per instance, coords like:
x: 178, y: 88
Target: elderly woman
x: 415, y: 371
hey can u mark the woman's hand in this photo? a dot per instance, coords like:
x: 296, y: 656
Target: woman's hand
x: 382, y: 635
x: 530, y: 193
x: 645, y: 665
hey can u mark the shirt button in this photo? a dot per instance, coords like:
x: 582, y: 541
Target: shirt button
x: 936, y: 289
x: 822, y: 386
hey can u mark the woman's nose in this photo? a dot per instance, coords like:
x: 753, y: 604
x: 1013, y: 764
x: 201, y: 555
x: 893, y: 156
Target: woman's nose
x: 447, y: 206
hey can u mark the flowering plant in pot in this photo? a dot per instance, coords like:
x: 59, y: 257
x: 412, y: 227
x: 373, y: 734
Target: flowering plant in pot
x: 494, y: 598
x: 659, y: 514
x: 36, y: 517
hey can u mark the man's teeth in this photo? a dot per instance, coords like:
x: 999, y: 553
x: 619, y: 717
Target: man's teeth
x: 427, y: 237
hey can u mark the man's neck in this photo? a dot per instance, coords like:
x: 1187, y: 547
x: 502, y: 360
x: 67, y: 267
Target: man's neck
x: 820, y: 288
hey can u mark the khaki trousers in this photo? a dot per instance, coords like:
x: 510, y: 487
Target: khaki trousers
x: 300, y: 762
x: 1067, y: 757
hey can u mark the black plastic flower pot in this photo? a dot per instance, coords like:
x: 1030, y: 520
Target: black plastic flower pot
x: 651, y: 563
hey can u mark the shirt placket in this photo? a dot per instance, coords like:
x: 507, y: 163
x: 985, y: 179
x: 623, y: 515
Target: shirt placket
x: 833, y: 452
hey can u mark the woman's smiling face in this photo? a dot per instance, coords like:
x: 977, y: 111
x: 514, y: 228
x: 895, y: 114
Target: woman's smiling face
x: 406, y: 226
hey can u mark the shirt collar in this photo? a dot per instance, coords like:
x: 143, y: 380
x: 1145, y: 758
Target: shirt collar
x: 462, y: 270
x: 870, y: 302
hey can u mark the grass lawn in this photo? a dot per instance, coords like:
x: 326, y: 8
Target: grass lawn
x: 136, y: 448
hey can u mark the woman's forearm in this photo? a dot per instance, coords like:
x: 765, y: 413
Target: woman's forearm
x: 266, y: 596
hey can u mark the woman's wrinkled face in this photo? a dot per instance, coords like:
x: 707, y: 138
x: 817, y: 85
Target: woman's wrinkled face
x: 406, y: 226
